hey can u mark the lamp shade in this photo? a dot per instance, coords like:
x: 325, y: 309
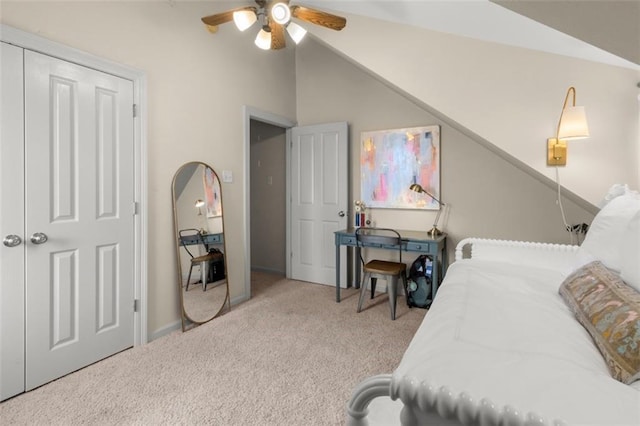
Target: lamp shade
x: 263, y: 40
x: 296, y: 32
x: 244, y: 19
x: 573, y: 123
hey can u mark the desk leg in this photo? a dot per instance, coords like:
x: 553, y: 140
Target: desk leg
x: 356, y: 265
x: 338, y: 273
x: 436, y: 276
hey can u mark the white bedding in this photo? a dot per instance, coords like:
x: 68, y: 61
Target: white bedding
x: 502, y: 332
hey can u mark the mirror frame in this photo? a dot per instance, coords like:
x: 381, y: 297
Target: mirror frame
x: 187, y: 322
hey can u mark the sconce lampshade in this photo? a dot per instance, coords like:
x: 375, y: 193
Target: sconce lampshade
x: 244, y: 19
x: 263, y: 40
x: 573, y: 124
x: 199, y: 204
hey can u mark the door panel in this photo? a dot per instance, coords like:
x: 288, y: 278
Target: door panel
x: 79, y: 193
x: 319, y: 188
x: 11, y: 222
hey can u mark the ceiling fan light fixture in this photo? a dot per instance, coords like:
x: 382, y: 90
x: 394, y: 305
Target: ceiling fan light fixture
x: 263, y: 40
x: 296, y: 32
x: 280, y: 13
x: 244, y: 19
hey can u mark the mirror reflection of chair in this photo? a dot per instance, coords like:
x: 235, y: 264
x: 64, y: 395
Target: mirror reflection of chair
x: 205, y: 261
x: 374, y: 269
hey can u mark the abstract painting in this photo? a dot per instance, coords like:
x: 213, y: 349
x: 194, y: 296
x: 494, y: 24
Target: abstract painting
x: 392, y: 160
x: 212, y: 193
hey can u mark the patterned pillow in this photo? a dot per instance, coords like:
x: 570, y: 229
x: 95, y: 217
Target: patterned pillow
x: 610, y: 311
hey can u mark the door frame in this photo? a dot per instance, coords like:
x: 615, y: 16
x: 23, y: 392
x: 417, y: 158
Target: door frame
x: 250, y: 113
x: 42, y: 45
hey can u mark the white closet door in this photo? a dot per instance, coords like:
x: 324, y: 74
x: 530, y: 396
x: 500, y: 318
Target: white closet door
x: 11, y: 222
x: 79, y: 193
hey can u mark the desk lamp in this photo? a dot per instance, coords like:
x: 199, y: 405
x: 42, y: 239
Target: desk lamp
x: 434, y: 232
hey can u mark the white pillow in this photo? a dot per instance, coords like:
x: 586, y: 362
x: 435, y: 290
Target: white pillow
x: 604, y: 239
x: 630, y: 247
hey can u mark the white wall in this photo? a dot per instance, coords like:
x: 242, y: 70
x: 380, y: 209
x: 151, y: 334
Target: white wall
x: 197, y: 85
x: 509, y: 96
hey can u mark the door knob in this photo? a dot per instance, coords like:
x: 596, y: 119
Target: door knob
x: 39, y: 238
x: 12, y: 240
x: 341, y: 213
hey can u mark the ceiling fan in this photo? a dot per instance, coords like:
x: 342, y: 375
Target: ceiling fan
x: 274, y: 18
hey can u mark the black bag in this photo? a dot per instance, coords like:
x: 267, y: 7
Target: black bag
x: 215, y: 271
x: 418, y: 290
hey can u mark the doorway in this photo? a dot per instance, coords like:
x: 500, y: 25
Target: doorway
x: 272, y: 126
x: 268, y: 186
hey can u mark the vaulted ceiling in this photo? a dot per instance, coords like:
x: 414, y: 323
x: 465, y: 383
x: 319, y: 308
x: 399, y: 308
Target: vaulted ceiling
x: 600, y: 30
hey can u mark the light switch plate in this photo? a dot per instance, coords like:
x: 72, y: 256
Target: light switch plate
x: 227, y: 176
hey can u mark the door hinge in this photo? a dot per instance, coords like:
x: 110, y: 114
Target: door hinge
x: 135, y: 110
x: 136, y: 305
x: 136, y: 208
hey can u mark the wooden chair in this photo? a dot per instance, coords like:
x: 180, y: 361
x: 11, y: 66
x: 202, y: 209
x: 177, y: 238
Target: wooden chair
x: 202, y: 261
x: 388, y: 239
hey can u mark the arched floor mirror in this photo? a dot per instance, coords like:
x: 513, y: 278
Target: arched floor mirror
x: 200, y: 244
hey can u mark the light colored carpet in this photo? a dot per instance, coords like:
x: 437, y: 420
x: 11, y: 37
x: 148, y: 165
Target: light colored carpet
x: 289, y: 356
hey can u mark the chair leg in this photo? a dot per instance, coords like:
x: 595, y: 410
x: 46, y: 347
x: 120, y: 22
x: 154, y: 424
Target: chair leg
x: 203, y: 274
x: 374, y: 281
x: 392, y: 289
x: 363, y: 289
x: 189, y: 278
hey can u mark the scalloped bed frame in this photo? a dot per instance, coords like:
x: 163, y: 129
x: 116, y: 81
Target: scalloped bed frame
x: 435, y: 382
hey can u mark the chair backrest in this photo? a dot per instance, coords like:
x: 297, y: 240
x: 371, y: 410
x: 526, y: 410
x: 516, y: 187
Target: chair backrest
x: 386, y: 238
x: 191, y: 236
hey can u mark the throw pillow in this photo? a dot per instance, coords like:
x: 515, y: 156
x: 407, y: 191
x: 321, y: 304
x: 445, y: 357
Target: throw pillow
x: 610, y: 311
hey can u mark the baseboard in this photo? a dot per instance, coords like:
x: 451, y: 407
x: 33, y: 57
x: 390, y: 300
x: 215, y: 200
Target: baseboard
x: 268, y: 270
x: 168, y: 329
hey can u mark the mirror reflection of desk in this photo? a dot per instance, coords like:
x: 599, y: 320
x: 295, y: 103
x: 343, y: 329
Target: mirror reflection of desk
x: 206, y: 239
x: 412, y: 241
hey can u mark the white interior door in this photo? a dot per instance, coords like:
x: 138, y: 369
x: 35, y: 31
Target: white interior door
x: 319, y: 200
x: 12, y: 250
x: 79, y: 194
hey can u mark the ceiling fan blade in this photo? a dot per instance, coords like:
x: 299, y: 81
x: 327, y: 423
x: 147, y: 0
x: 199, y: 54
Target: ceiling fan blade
x: 277, y: 36
x: 318, y: 17
x: 224, y: 17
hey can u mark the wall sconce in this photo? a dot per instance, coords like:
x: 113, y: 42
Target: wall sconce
x: 434, y: 232
x: 199, y: 204
x: 571, y: 126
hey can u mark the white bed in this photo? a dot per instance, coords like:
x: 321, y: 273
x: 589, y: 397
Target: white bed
x: 500, y: 346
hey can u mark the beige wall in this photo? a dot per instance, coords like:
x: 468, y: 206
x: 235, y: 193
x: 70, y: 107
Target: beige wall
x: 487, y: 196
x: 198, y: 84
x: 509, y: 96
